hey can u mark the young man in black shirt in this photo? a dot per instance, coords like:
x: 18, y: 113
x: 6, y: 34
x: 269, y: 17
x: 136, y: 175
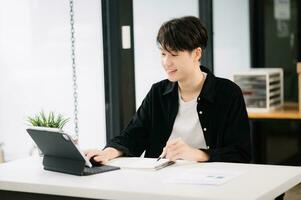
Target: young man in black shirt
x: 191, y: 115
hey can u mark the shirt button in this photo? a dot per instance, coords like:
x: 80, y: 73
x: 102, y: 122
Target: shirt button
x: 208, y: 147
x: 200, y: 112
x: 205, y: 129
x: 199, y: 98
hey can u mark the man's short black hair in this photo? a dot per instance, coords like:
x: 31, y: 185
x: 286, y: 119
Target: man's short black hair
x: 180, y: 34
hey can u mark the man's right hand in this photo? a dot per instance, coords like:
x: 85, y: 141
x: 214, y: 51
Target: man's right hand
x: 102, y: 156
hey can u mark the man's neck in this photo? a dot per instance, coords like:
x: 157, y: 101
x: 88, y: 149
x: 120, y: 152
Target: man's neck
x: 191, y: 87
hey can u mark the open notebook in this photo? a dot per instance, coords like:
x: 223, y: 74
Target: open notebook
x: 140, y: 163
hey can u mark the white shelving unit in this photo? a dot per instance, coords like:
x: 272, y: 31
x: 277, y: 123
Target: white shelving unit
x: 262, y: 88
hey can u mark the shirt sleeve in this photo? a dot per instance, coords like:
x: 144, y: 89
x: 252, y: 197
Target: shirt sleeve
x: 134, y: 138
x: 236, y: 138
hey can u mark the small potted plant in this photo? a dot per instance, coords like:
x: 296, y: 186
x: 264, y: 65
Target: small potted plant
x: 49, y: 120
x: 44, y: 120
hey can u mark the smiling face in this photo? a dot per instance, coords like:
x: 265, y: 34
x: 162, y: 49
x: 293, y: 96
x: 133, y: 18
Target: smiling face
x: 180, y: 65
x: 181, y: 41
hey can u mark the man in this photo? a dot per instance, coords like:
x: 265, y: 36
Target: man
x: 191, y: 115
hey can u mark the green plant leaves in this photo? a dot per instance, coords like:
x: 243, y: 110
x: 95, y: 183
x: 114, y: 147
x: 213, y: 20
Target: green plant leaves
x: 50, y: 120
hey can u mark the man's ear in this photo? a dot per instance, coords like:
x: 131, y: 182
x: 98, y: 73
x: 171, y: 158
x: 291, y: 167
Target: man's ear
x: 198, y: 54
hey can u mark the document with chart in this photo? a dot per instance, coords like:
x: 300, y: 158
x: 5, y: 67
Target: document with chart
x: 203, y: 176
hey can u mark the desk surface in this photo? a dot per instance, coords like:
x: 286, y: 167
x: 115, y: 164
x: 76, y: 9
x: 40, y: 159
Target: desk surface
x: 258, y: 182
x: 288, y: 111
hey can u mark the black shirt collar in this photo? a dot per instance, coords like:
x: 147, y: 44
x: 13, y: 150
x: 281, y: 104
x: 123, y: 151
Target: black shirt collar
x: 207, y: 92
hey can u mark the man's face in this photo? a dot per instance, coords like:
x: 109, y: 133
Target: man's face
x: 179, y: 65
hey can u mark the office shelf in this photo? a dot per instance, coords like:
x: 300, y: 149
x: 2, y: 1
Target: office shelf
x: 262, y: 88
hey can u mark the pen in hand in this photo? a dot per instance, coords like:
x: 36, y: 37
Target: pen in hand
x: 163, y: 154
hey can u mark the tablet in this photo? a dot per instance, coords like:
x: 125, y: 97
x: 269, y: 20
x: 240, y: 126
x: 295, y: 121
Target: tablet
x: 55, y: 142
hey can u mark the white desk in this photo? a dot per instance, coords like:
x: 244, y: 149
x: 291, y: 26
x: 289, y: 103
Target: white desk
x: 258, y: 182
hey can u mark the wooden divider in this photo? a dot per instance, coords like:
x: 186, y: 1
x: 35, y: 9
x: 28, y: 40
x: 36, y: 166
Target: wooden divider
x: 299, y: 85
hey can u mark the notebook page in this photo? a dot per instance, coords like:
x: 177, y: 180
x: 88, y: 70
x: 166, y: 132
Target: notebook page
x: 139, y: 163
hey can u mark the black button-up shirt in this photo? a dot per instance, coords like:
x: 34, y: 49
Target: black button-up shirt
x: 222, y: 114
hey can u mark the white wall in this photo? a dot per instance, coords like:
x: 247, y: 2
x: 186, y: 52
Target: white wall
x: 148, y: 17
x: 35, y: 69
x: 231, y: 37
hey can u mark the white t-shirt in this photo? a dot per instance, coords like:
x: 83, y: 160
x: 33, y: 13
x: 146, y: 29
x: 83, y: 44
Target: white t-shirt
x: 187, y: 124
